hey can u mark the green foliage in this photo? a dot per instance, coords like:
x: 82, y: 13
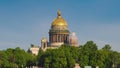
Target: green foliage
x: 15, y: 58
x: 63, y: 57
x: 88, y: 54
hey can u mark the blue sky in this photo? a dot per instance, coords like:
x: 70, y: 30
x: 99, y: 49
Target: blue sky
x: 25, y: 22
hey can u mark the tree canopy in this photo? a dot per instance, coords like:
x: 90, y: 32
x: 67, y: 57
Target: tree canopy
x: 16, y: 58
x: 86, y: 55
x: 65, y: 56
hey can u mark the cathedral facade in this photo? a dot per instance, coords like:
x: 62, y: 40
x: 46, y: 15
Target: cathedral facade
x: 59, y: 34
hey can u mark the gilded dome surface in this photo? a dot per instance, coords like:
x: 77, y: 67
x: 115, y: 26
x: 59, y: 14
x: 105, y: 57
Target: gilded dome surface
x: 59, y: 21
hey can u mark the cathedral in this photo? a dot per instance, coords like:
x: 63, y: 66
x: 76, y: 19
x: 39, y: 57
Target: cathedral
x: 59, y: 34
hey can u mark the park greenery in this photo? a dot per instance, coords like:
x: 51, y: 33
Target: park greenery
x: 63, y: 57
x: 16, y: 58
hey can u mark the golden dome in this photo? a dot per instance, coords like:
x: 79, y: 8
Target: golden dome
x: 59, y: 21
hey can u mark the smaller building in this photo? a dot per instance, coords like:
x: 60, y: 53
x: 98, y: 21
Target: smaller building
x: 34, y: 49
x: 44, y: 43
x: 88, y: 67
x: 97, y: 66
x: 77, y: 65
x: 74, y: 40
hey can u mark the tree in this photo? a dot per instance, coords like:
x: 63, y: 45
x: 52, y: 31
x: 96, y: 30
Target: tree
x: 88, y: 54
x: 107, y: 47
x: 63, y: 57
x: 106, y: 51
x: 15, y: 58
